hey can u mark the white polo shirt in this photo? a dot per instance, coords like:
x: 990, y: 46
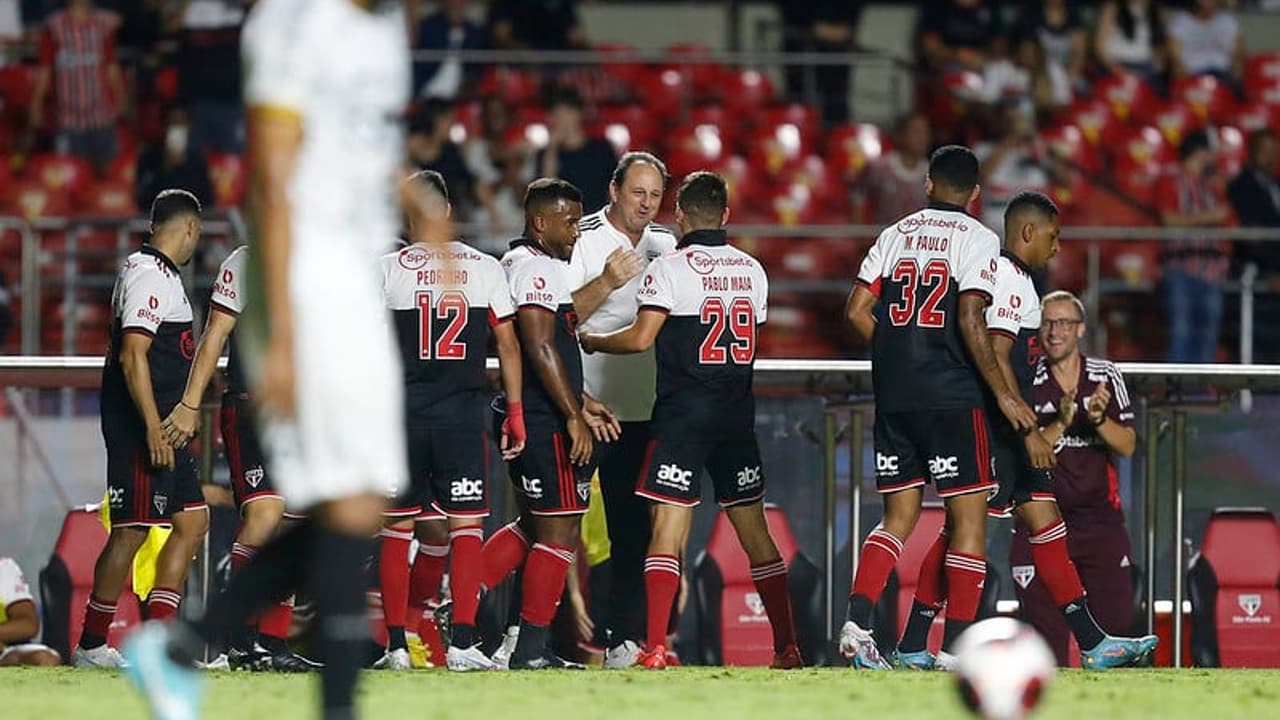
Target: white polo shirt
x: 626, y: 383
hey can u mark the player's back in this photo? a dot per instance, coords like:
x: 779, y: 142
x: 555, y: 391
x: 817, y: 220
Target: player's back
x: 443, y: 302
x: 538, y: 280
x: 715, y: 297
x: 919, y: 268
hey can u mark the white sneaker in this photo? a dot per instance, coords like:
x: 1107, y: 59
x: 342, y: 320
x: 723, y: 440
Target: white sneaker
x: 859, y: 646
x: 623, y: 656
x: 218, y: 663
x: 468, y: 659
x: 103, y: 656
x: 394, y: 660
x: 502, y: 656
x: 946, y: 661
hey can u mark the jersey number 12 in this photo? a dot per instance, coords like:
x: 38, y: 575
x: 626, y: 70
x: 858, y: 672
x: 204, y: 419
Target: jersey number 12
x: 740, y: 319
x: 451, y: 306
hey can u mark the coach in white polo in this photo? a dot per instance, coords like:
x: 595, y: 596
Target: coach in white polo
x: 616, y: 244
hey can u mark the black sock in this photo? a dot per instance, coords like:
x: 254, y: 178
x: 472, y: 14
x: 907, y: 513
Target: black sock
x: 272, y: 644
x: 1082, y: 624
x: 515, y: 605
x: 464, y: 636
x: 916, y: 636
x: 532, y: 643
x: 336, y: 559
x: 859, y: 611
x: 395, y: 639
x: 953, y: 630
x: 89, y: 641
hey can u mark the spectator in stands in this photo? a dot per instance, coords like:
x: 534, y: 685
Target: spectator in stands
x: 1208, y: 41
x: 19, y: 621
x: 536, y: 25
x: 960, y: 34
x: 78, y: 61
x: 820, y: 26
x: 1017, y: 161
x: 1028, y: 74
x: 174, y: 163
x: 572, y: 155
x: 893, y: 186
x: 1060, y: 30
x: 1194, y: 269
x: 1255, y: 198
x: 488, y: 153
x: 209, y: 74
x: 506, y: 215
x: 1131, y: 37
x: 431, y: 147
x: 449, y: 28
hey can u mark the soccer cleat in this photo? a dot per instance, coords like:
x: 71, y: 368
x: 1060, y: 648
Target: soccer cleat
x: 860, y: 647
x: 103, y: 656
x: 673, y: 659
x: 443, y: 617
x: 394, y: 660
x: 468, y: 659
x: 1114, y: 652
x: 788, y: 659
x: 547, y: 661
x: 218, y: 663
x: 291, y: 663
x: 502, y: 656
x: 253, y: 660
x: 922, y: 660
x: 946, y: 662
x: 653, y: 659
x: 172, y: 690
x: 622, y: 656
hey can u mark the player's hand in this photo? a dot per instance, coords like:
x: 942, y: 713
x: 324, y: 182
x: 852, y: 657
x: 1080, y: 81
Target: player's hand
x: 513, y: 432
x: 181, y: 425
x: 1098, y: 403
x: 604, y: 425
x: 621, y: 266
x: 1067, y: 409
x: 587, y: 342
x: 581, y: 617
x: 580, y: 445
x: 1018, y: 413
x: 160, y: 450
x: 1040, y: 451
x: 277, y: 393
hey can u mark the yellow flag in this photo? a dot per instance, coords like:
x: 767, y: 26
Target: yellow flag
x: 144, y: 563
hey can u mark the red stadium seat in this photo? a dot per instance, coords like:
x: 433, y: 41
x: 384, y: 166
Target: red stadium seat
x: 1129, y: 96
x: 851, y: 148
x: 1234, y: 587
x: 746, y: 93
x: 1175, y: 119
x: 704, y: 77
x: 61, y: 173
x: 746, y: 191
x: 124, y: 168
x: 1093, y: 117
x: 733, y: 628
x: 66, y: 581
x: 773, y: 150
x: 1207, y: 96
x: 111, y: 199
x: 628, y: 127
x: 1069, y: 144
x: 1256, y: 115
x: 629, y: 73
x: 1261, y: 71
x: 1231, y: 150
x: 802, y: 116
x: 665, y: 93
x: 31, y: 200
x: 227, y: 173
x: 515, y: 87
x: 694, y: 147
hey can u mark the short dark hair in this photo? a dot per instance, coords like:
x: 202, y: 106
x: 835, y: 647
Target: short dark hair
x: 1257, y: 136
x: 703, y: 197
x: 637, y: 157
x: 546, y: 191
x: 954, y: 167
x: 1193, y: 143
x: 433, y: 180
x: 173, y: 203
x: 426, y: 114
x: 1029, y: 201
x: 563, y: 95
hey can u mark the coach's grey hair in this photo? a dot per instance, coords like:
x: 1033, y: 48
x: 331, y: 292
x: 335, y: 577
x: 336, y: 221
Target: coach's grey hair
x: 1064, y: 296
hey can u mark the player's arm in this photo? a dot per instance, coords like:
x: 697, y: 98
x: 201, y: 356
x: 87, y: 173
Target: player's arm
x: 509, y: 366
x: 973, y: 328
x: 538, y: 326
x: 22, y: 624
x: 137, y: 376
x: 619, y: 268
x: 858, y: 311
x: 1038, y: 447
x: 635, y: 338
x: 183, y: 420
x: 1107, y: 409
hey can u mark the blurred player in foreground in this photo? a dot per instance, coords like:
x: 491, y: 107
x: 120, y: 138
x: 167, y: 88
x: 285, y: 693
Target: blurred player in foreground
x: 19, y: 621
x: 700, y: 307
x: 325, y: 146
x: 1022, y: 463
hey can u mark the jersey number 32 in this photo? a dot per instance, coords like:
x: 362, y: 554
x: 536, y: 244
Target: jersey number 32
x: 740, y: 320
x: 936, y: 276
x: 450, y: 306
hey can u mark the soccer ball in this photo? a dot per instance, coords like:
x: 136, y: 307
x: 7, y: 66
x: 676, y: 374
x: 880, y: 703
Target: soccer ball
x: 1003, y: 668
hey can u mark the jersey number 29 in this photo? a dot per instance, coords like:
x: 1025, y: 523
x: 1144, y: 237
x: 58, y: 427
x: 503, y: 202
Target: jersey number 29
x: 740, y: 319
x: 451, y: 306
x: 936, y: 276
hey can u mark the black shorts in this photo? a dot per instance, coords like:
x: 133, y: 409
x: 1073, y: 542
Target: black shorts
x: 249, y: 477
x: 545, y: 480
x: 949, y: 448
x: 679, y: 451
x: 140, y: 495
x: 448, y: 474
x: 1019, y: 481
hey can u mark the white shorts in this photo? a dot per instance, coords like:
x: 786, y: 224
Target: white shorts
x: 347, y: 437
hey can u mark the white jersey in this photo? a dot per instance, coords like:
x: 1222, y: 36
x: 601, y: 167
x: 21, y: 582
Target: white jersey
x: 623, y: 382
x: 13, y: 587
x: 538, y: 280
x: 1015, y: 313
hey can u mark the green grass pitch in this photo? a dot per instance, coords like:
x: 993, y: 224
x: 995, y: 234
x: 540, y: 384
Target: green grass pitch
x: 713, y: 693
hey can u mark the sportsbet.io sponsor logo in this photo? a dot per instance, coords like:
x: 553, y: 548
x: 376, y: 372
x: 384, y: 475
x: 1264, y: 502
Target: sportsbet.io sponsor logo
x: 704, y: 263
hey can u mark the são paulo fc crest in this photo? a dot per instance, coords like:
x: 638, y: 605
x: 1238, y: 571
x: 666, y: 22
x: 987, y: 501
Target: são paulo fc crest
x: 754, y: 603
x: 187, y: 345
x: 160, y: 502
x: 253, y: 477
x: 1023, y: 575
x: 1250, y: 603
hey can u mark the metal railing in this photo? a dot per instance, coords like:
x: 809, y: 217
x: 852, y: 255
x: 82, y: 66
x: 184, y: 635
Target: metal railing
x: 1167, y: 392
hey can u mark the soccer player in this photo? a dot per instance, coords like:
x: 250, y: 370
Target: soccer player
x: 19, y: 621
x: 1022, y: 463
x: 1084, y: 406
x: 446, y: 301
x: 700, y: 307
x: 919, y: 299
x: 325, y: 147
x: 149, y: 482
x: 256, y: 498
x: 616, y: 244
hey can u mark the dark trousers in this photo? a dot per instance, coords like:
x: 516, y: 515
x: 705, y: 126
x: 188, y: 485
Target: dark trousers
x: 628, y: 518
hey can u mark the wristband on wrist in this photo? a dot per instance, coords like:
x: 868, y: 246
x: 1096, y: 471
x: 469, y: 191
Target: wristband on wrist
x: 184, y: 404
x: 1100, y: 422
x: 515, y: 408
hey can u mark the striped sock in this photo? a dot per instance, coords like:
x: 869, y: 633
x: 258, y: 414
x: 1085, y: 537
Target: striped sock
x: 464, y: 581
x: 503, y: 553
x: 162, y: 603
x: 965, y: 576
x: 880, y: 553
x: 661, y: 583
x: 544, y: 575
x: 393, y: 577
x: 770, y: 579
x: 98, y: 614
x: 424, y: 581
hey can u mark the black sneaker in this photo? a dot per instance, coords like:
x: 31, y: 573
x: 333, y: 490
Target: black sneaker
x: 253, y: 660
x: 290, y: 663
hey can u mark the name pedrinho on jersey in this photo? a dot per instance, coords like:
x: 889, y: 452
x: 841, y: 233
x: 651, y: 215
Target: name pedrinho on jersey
x: 443, y: 302
x: 715, y: 296
x: 1015, y: 313
x: 538, y: 280
x: 918, y: 268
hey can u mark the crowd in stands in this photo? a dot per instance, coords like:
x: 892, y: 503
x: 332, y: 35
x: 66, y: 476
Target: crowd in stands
x: 1106, y: 104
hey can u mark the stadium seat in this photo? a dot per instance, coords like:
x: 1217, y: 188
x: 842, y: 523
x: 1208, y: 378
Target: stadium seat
x: 1231, y: 150
x: 628, y: 127
x: 694, y: 147
x: 109, y: 199
x: 1207, y: 96
x: 774, y: 150
x: 746, y: 93
x: 1140, y: 157
x: 1094, y: 118
x: 802, y: 116
x: 516, y: 87
x: 1234, y: 587
x: 733, y: 628
x: 1068, y: 143
x: 716, y: 115
x: 851, y: 148
x: 1262, y: 71
x: 626, y: 72
x: 704, y: 78
x: 31, y: 200
x: 1175, y: 119
x: 1128, y: 96
x: 61, y: 173
x: 65, y: 583
x: 1256, y: 115
x: 746, y: 191
x: 665, y: 92
x: 227, y: 174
